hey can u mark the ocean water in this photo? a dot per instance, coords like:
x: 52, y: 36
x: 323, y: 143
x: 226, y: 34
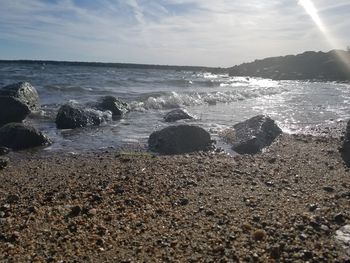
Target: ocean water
x: 217, y: 100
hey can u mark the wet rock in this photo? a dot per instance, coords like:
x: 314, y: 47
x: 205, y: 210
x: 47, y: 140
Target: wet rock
x: 24, y: 92
x: 252, y: 135
x: 179, y: 139
x: 115, y: 105
x: 17, y: 101
x: 3, y: 162
x: 12, y: 110
x: 73, y: 115
x: 178, y: 114
x: 4, y: 151
x: 19, y: 136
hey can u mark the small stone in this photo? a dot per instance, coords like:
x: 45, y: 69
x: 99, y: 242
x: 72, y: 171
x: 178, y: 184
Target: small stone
x: 209, y: 213
x: 339, y: 218
x: 270, y: 184
x: 92, y: 212
x: 272, y: 160
x: 75, y: 211
x: 328, y: 189
x: 183, y: 201
x: 325, y: 228
x: 11, y: 199
x: 312, y: 207
x: 259, y: 235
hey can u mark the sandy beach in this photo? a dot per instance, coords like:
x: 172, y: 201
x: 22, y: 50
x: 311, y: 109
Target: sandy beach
x: 284, y: 205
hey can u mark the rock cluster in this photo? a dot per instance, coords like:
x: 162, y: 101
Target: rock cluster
x: 17, y: 101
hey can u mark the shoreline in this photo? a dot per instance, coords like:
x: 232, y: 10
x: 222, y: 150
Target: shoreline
x: 283, y: 205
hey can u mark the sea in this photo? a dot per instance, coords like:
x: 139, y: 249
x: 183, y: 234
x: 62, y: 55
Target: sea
x: 218, y: 101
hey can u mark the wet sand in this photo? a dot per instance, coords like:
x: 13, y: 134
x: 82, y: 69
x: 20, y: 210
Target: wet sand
x: 283, y: 205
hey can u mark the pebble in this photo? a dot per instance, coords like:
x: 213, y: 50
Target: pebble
x: 339, y: 218
x: 75, y: 211
x: 328, y: 189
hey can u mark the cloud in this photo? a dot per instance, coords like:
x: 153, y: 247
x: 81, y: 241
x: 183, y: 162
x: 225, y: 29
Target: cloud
x: 193, y: 32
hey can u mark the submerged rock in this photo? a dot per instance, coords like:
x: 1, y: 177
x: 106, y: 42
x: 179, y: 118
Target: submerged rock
x: 252, y: 135
x: 17, y: 101
x: 113, y: 104
x: 72, y: 115
x: 19, y: 136
x: 345, y: 149
x: 178, y: 114
x: 179, y: 139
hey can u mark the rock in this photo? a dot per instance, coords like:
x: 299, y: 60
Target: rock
x: 345, y: 149
x: 178, y: 114
x: 72, y: 115
x: 252, y: 135
x: 12, y: 110
x: 24, y: 92
x: 179, y: 139
x: 339, y: 218
x: 328, y: 189
x: 19, y: 136
x: 113, y: 104
x: 4, y: 151
x: 343, y: 237
x: 3, y: 162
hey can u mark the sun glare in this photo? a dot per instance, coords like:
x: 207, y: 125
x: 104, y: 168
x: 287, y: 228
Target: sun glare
x: 310, y: 8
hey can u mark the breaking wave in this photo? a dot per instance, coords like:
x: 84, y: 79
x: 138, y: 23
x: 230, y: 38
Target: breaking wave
x: 176, y: 100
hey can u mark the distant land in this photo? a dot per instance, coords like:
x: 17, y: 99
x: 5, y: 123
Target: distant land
x: 331, y: 66
x: 318, y: 66
x: 115, y: 65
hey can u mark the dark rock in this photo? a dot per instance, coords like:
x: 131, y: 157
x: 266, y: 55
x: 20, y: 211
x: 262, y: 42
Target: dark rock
x: 313, y: 207
x: 4, y: 151
x: 179, y: 139
x: 328, y: 189
x: 252, y: 135
x: 115, y: 105
x: 12, y: 110
x: 3, y: 162
x: 178, y: 114
x: 19, y: 136
x: 72, y: 115
x: 75, y: 211
x: 339, y: 218
x: 345, y: 149
x: 24, y: 92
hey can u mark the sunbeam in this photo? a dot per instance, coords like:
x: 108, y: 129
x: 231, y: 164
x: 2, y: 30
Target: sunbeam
x: 310, y: 8
x: 312, y: 11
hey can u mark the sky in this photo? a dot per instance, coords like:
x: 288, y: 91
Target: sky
x: 219, y: 33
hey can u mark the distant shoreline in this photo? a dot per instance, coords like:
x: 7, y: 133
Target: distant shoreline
x: 115, y: 65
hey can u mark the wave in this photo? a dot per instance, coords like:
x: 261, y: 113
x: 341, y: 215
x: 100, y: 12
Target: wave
x: 176, y: 100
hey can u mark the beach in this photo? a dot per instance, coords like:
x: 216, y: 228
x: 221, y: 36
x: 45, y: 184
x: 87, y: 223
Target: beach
x: 283, y: 205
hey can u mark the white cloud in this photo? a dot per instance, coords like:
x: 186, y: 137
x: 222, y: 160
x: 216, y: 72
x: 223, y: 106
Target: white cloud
x: 194, y: 32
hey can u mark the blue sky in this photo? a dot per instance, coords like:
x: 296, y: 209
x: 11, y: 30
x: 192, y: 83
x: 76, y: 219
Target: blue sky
x: 177, y: 32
